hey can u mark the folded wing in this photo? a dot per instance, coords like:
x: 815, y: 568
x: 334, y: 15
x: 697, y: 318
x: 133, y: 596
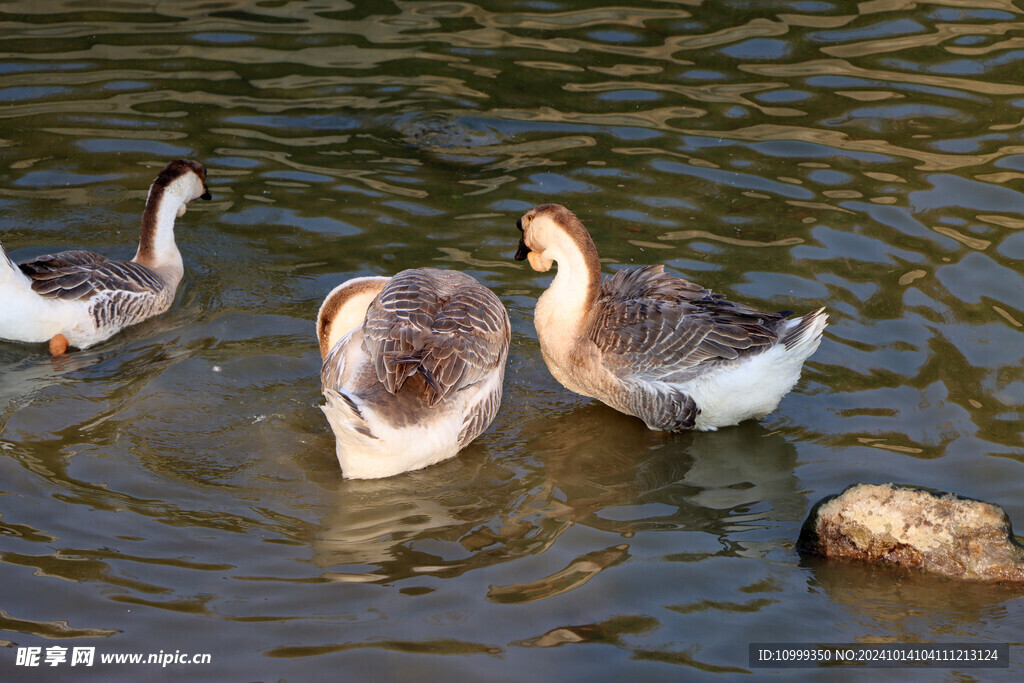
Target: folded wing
x: 76, y: 275
x: 440, y: 324
x: 653, y: 326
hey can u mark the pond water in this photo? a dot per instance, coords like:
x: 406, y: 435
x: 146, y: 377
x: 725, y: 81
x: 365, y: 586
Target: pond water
x: 175, y: 489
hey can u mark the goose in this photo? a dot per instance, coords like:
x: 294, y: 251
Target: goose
x: 412, y: 368
x: 80, y: 298
x: 653, y: 345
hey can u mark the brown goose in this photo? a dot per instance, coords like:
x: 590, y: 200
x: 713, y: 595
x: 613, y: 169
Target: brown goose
x: 80, y: 298
x: 412, y: 368
x: 653, y: 345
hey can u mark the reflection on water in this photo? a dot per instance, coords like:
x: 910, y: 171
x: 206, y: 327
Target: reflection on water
x: 175, y: 487
x: 889, y: 605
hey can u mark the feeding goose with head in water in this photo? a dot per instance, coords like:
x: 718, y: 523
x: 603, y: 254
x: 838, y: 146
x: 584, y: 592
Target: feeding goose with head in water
x: 79, y: 298
x: 653, y: 345
x: 412, y: 368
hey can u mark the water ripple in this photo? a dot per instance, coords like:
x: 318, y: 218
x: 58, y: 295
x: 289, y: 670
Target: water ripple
x: 179, y: 479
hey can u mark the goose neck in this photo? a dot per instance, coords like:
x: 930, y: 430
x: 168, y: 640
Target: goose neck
x: 562, y: 308
x: 157, y: 249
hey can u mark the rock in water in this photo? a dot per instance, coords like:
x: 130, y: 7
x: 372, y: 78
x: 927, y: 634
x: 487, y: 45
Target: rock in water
x: 911, y: 527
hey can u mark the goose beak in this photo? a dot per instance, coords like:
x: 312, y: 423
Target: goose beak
x: 522, y: 251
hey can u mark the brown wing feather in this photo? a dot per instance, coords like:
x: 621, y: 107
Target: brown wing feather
x: 441, y: 324
x: 75, y: 275
x: 660, y: 327
x: 476, y: 421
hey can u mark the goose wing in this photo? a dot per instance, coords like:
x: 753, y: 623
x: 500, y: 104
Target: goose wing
x: 79, y: 275
x: 651, y: 325
x: 441, y: 324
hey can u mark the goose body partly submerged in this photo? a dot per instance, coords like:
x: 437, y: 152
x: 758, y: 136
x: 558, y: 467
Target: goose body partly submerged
x: 653, y: 345
x: 80, y: 298
x: 412, y: 368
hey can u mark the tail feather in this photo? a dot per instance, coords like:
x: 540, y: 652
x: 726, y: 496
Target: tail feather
x: 344, y: 413
x: 10, y: 274
x: 805, y: 332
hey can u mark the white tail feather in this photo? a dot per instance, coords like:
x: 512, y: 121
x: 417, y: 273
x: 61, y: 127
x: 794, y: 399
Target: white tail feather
x: 804, y: 334
x: 10, y: 274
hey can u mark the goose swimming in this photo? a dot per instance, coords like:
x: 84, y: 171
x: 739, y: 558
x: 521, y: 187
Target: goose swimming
x: 412, y: 368
x: 653, y: 345
x: 79, y: 298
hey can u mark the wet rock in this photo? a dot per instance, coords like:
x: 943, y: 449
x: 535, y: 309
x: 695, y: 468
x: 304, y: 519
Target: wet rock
x: 911, y: 527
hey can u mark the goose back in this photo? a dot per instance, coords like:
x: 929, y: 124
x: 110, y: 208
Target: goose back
x: 654, y: 326
x: 440, y: 325
x: 117, y: 293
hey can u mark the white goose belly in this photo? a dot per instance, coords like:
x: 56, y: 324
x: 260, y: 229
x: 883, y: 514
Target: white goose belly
x: 25, y: 316
x: 737, y: 392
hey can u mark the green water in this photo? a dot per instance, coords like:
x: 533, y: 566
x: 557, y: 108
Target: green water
x: 175, y: 488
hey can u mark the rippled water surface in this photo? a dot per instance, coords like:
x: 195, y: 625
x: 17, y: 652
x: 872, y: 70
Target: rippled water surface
x: 175, y: 488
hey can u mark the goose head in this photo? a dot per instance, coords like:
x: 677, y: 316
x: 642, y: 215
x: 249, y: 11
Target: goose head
x: 551, y: 232
x: 182, y: 178
x: 180, y: 182
x: 344, y: 309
